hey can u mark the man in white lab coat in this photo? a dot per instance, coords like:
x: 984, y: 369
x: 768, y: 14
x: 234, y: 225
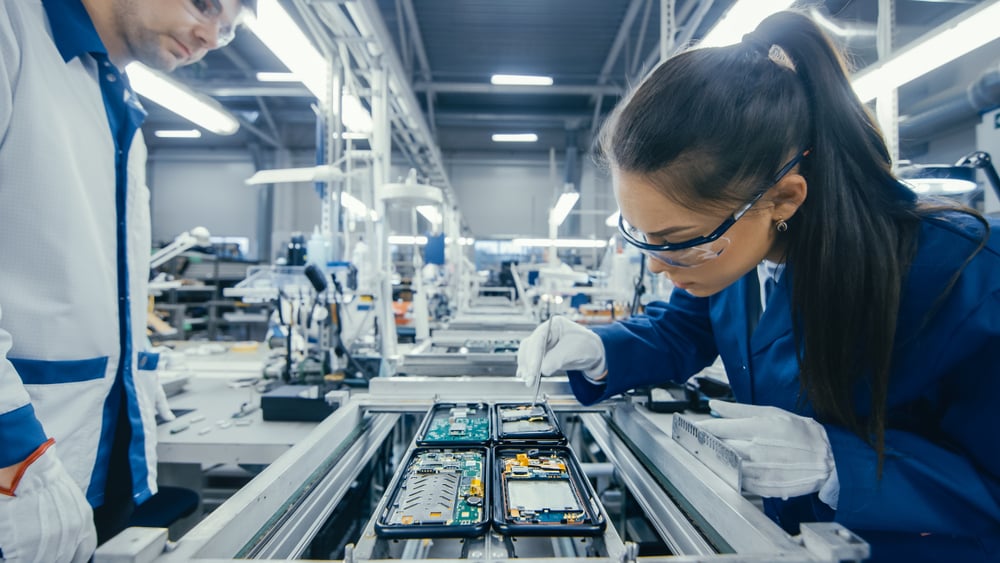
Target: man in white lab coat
x: 77, y: 410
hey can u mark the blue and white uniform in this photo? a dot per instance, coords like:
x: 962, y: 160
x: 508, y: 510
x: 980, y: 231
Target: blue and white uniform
x: 939, y: 494
x: 74, y: 249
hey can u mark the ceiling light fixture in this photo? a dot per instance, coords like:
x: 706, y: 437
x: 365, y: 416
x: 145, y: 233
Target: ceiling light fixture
x: 407, y: 239
x: 430, y: 213
x: 177, y: 133
x: 198, y: 108
x: 520, y: 80
x: 357, y: 207
x: 515, y: 137
x: 278, y: 77
x: 742, y: 18
x: 971, y: 29
x: 283, y: 37
x: 612, y: 220
x: 562, y: 207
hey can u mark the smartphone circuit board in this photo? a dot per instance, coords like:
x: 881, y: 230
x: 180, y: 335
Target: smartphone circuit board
x: 439, y: 493
x: 456, y: 424
x: 526, y: 422
x: 542, y: 492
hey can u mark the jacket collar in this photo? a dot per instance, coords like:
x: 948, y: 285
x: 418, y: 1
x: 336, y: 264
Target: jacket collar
x: 72, y: 29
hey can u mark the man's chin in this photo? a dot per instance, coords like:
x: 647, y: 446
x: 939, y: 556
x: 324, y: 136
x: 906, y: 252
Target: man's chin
x: 163, y: 63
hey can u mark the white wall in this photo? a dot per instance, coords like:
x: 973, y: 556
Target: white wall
x: 188, y: 189
x: 503, y: 198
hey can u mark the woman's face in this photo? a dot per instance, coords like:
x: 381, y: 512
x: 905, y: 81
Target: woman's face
x: 750, y: 239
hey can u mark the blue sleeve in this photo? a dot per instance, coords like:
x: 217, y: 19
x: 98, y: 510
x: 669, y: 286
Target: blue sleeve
x: 924, y: 487
x: 945, y: 480
x: 20, y: 434
x: 670, y: 342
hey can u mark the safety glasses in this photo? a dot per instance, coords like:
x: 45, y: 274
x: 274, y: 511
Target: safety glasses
x: 699, y: 250
x: 210, y: 12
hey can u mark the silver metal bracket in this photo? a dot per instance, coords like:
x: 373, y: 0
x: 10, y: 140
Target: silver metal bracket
x: 718, y: 456
x: 832, y: 542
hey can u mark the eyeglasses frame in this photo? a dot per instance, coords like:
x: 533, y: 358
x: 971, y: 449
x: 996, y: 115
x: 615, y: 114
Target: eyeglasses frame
x: 721, y: 229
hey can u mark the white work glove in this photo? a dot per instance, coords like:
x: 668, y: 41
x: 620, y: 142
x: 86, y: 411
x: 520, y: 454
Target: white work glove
x: 784, y: 454
x: 162, y: 406
x: 560, y: 344
x: 47, y: 519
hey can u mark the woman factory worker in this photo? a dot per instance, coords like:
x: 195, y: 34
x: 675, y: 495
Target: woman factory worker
x: 869, y: 385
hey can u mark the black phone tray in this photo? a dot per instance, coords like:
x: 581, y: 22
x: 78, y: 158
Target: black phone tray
x: 550, y: 435
x: 420, y: 484
x: 474, y: 431
x: 589, y: 521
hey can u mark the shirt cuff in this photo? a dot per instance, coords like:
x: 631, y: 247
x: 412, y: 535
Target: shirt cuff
x: 829, y: 493
x: 599, y: 380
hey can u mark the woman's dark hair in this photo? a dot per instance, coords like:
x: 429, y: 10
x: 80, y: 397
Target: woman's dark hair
x: 710, y: 126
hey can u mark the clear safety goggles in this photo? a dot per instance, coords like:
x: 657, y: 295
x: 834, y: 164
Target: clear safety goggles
x: 699, y: 250
x: 210, y: 12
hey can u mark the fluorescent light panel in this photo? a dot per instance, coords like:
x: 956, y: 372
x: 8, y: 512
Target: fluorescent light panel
x: 407, y: 239
x: 968, y: 31
x: 357, y: 207
x: 515, y: 137
x: 280, y: 34
x: 177, y: 133
x: 940, y: 186
x: 520, y: 80
x: 420, y: 240
x: 742, y: 18
x: 562, y: 207
x: 197, y: 108
x: 612, y: 220
x: 278, y: 77
x: 430, y: 213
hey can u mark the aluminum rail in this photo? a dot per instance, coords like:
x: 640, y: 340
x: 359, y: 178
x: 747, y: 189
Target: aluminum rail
x: 666, y: 517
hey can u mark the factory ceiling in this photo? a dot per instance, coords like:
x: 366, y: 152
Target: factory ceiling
x: 593, y: 49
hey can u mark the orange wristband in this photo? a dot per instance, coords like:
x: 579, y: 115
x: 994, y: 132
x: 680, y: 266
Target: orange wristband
x: 23, y: 466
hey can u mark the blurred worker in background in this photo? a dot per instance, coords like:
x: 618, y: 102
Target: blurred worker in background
x: 754, y: 178
x: 74, y: 243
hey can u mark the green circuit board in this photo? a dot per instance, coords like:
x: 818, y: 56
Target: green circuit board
x: 441, y: 487
x: 458, y: 423
x: 537, y: 489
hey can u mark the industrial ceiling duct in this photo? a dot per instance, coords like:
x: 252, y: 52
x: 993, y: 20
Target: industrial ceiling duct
x: 981, y: 96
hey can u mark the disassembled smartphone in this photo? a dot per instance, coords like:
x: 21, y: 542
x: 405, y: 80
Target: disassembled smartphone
x: 542, y: 492
x: 667, y: 398
x: 492, y: 346
x: 523, y: 423
x: 439, y: 493
x: 456, y: 424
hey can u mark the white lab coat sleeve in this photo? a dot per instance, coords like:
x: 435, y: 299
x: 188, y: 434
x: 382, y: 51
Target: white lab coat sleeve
x: 9, y: 64
x: 20, y: 431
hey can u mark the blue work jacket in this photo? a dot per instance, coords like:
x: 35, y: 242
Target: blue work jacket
x: 939, y: 494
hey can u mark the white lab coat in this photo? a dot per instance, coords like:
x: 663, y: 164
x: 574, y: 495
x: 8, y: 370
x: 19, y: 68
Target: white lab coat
x: 59, y: 324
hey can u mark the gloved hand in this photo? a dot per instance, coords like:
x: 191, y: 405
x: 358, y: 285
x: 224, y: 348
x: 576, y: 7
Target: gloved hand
x: 46, y: 518
x: 162, y: 406
x: 560, y: 344
x: 785, y: 455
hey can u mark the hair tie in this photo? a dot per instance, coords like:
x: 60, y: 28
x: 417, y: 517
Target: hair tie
x: 755, y: 43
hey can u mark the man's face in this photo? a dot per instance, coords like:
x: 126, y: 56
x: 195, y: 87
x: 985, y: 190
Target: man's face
x: 166, y: 34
